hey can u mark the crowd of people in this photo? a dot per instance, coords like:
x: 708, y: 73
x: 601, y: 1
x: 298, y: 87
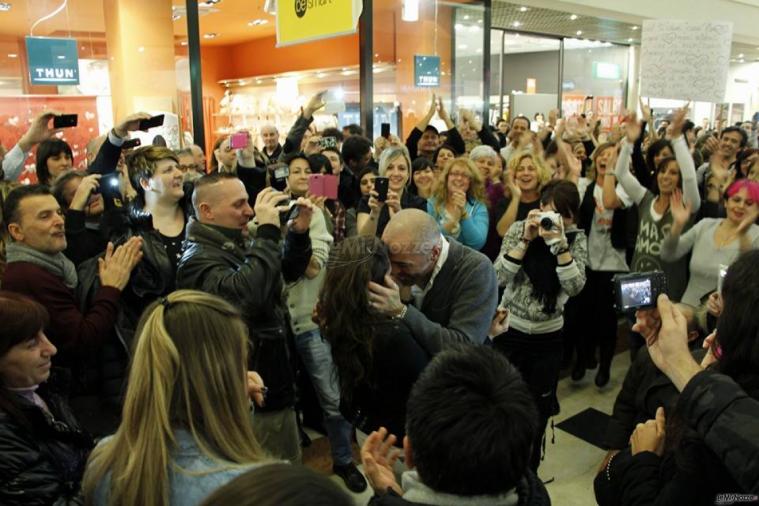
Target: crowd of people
x: 162, y: 314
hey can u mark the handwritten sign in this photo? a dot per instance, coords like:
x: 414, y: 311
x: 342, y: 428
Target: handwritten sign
x: 685, y: 59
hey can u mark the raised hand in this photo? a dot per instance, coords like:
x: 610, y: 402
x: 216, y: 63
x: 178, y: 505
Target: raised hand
x: 117, y: 265
x: 129, y: 124
x: 267, y: 206
x: 678, y: 120
x: 378, y: 457
x: 38, y: 131
x: 680, y: 209
x: 314, y: 104
x: 86, y: 187
x: 302, y: 222
x: 645, y: 110
x: 649, y: 436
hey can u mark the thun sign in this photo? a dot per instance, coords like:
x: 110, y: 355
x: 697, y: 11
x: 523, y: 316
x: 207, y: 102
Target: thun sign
x: 52, y: 61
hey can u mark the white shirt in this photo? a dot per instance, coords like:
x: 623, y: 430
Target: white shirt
x: 420, y: 293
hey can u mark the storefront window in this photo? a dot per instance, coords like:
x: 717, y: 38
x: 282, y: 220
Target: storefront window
x: 128, y: 59
x: 598, y: 70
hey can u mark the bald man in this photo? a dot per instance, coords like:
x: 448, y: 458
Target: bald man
x: 219, y: 259
x: 450, y: 290
x: 272, y: 147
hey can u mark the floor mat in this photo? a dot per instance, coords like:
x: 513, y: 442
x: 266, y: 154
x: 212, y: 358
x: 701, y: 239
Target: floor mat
x: 589, y: 425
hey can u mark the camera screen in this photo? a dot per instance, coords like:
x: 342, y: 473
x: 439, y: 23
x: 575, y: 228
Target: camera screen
x: 636, y: 293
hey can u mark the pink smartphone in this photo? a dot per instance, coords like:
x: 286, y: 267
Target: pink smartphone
x: 239, y: 140
x: 323, y: 185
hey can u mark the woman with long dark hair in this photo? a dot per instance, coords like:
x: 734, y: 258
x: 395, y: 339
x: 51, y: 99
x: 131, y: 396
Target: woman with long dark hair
x: 541, y: 265
x: 44, y: 450
x: 668, y: 462
x: 54, y: 157
x: 376, y: 357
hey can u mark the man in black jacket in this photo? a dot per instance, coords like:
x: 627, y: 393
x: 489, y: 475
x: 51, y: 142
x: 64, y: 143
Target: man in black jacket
x: 424, y: 139
x: 219, y: 259
x: 470, y: 449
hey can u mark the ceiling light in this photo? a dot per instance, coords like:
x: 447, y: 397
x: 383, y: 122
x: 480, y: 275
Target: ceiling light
x: 183, y: 43
x: 410, y: 11
x: 141, y: 49
x: 258, y: 81
x: 258, y: 22
x: 629, y: 40
x: 5, y: 6
x: 458, y: 26
x: 635, y: 27
x: 516, y: 24
x: 463, y: 46
x: 573, y: 17
x: 466, y: 17
x: 320, y: 75
x: 480, y: 21
x: 12, y: 55
x: 523, y: 9
x: 741, y: 61
x: 579, y: 32
x: 740, y: 55
x: 211, y: 35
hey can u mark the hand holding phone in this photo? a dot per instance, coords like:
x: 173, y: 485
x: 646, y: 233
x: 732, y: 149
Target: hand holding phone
x: 385, y: 130
x: 239, y: 140
x: 65, y: 120
x: 381, y: 185
x: 323, y: 185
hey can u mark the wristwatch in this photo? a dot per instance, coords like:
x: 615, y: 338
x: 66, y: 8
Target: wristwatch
x: 402, y: 314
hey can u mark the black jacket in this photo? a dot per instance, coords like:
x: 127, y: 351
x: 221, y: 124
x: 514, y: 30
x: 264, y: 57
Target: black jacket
x: 530, y: 489
x: 251, y: 277
x: 43, y: 461
x: 454, y: 140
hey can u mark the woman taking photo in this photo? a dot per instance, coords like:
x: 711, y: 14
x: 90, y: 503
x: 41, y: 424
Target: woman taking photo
x: 366, y: 185
x: 186, y: 426
x: 43, y: 448
x: 654, y: 205
x: 714, y: 242
x: 525, y: 176
x: 377, y: 357
x: 458, y: 204
x: 541, y: 265
x: 373, y: 214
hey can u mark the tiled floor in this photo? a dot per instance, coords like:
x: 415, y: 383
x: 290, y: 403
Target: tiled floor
x: 570, y: 462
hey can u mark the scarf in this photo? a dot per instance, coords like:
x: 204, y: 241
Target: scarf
x: 56, y: 264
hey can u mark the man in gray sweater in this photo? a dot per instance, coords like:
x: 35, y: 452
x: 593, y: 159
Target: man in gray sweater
x: 444, y: 291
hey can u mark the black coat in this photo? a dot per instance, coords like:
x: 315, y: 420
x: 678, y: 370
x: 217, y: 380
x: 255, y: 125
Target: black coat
x: 43, y: 459
x: 251, y: 277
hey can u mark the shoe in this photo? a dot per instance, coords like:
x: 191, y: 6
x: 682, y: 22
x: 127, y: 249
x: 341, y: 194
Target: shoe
x: 578, y: 373
x: 351, y: 476
x: 602, y: 378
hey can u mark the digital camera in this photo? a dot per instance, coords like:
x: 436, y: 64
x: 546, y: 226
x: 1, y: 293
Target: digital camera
x: 549, y: 220
x: 638, y: 290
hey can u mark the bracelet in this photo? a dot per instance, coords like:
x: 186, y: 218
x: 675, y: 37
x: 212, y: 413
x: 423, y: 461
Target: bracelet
x: 402, y: 314
x: 608, y: 467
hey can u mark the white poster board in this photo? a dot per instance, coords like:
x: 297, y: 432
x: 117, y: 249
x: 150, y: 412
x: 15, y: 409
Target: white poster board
x: 685, y: 60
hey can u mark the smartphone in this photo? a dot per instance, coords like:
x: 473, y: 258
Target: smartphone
x: 65, y: 121
x: 639, y: 290
x: 155, y: 121
x: 327, y: 142
x: 381, y: 185
x: 323, y: 185
x: 131, y: 143
x: 385, y: 132
x: 239, y: 140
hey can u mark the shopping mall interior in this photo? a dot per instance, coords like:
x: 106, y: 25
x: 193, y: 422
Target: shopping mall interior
x: 216, y: 67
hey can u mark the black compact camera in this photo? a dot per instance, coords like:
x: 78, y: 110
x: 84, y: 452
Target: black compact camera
x: 638, y: 290
x: 292, y: 211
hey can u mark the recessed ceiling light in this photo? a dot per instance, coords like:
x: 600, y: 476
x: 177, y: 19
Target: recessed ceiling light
x: 740, y: 55
x: 211, y: 35
x: 258, y: 81
x: 635, y: 27
x: 5, y: 6
x: 573, y: 17
x: 141, y: 49
x: 579, y: 32
x: 183, y: 43
x: 12, y: 55
x: 516, y: 24
x: 629, y: 40
x: 466, y: 17
x: 523, y: 9
x: 741, y: 60
x: 258, y: 22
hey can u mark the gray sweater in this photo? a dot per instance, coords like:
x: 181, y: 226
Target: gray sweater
x: 460, y: 305
x: 526, y: 312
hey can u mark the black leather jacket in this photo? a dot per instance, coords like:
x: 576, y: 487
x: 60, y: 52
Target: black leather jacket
x: 250, y: 276
x: 43, y: 459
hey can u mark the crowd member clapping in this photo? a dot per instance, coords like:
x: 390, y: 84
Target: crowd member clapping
x: 186, y: 428
x: 220, y: 259
x: 526, y: 175
x: 542, y: 264
x: 668, y: 462
x: 377, y: 357
x: 373, y: 213
x: 458, y: 204
x: 714, y: 242
x: 424, y: 139
x: 81, y: 329
x: 654, y: 212
x: 474, y: 449
x: 44, y: 449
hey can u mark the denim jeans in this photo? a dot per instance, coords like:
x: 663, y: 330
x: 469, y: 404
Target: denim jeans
x: 317, y: 359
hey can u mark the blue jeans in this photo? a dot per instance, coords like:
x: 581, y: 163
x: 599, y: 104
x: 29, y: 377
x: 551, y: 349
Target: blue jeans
x: 317, y: 358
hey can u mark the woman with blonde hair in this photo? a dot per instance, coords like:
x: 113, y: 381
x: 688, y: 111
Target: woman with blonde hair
x: 373, y: 214
x: 186, y: 426
x: 526, y: 174
x: 458, y: 203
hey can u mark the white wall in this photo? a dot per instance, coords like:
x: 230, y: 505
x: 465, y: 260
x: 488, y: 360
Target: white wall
x: 744, y: 92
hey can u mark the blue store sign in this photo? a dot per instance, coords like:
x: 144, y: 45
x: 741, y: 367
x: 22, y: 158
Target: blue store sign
x: 426, y: 71
x: 52, y: 61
